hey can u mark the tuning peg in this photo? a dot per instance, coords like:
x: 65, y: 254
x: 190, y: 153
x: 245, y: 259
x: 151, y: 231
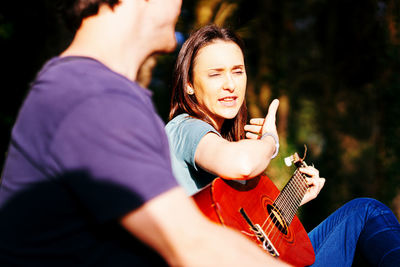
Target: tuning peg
x: 289, y: 160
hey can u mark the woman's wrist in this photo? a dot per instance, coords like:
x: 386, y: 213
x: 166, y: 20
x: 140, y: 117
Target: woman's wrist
x: 275, y: 137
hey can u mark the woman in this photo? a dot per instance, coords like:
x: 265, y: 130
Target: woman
x: 207, y: 139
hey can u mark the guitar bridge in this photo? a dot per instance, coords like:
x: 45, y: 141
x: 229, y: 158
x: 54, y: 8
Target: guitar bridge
x: 260, y: 234
x: 267, y: 244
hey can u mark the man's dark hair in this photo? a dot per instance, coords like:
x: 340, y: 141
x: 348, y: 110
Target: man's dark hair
x: 74, y: 11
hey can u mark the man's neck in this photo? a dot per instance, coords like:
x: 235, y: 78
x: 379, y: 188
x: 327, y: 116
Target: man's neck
x: 106, y: 39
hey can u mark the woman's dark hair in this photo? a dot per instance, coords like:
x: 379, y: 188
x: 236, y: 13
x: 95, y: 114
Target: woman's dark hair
x: 74, y: 11
x: 181, y: 101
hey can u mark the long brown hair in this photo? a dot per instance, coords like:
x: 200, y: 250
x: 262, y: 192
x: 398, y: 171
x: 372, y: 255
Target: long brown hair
x: 182, y: 102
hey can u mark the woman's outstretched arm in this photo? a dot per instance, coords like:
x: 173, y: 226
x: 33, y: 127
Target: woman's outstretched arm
x: 243, y: 159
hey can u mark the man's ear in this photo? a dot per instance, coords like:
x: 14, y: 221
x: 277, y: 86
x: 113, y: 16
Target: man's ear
x: 189, y: 89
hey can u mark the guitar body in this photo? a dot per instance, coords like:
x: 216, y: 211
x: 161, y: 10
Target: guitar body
x: 222, y: 200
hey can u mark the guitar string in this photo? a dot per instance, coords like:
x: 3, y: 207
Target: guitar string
x: 290, y: 203
x: 280, y: 200
x: 302, y: 189
x: 271, y: 224
x: 274, y: 220
x: 298, y: 195
x: 299, y: 183
x: 287, y: 205
x: 297, y: 178
x: 285, y: 200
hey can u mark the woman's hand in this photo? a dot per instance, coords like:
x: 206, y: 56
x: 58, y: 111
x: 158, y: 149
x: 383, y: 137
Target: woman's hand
x: 314, y: 182
x: 259, y: 126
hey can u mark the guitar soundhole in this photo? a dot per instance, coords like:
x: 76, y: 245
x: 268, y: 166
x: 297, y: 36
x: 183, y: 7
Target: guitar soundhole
x: 277, y: 219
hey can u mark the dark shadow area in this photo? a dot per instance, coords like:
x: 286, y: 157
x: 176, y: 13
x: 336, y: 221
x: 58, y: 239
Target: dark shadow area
x: 70, y: 221
x: 30, y: 33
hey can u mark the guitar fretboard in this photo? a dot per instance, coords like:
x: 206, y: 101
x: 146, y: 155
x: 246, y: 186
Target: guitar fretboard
x: 288, y: 201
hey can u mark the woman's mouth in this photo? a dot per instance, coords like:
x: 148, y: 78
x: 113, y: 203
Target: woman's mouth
x: 228, y: 101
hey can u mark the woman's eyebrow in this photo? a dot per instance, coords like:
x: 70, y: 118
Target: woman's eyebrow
x: 240, y: 66
x: 216, y: 69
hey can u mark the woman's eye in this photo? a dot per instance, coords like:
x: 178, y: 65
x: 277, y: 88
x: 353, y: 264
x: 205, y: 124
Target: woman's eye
x: 213, y: 74
x: 238, y: 72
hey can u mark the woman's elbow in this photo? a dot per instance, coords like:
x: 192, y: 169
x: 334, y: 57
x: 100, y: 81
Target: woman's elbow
x: 248, y: 168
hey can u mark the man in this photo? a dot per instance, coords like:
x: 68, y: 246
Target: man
x: 87, y: 180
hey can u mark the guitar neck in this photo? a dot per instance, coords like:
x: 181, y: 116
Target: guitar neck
x: 288, y: 201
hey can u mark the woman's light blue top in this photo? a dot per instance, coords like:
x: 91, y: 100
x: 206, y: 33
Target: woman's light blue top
x: 184, y: 134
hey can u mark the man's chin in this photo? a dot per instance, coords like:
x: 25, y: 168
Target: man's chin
x: 168, y: 47
x: 171, y: 48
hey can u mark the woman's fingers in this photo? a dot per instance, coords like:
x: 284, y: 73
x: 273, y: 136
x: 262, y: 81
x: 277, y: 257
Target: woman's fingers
x: 309, y: 170
x: 264, y: 125
x: 253, y: 128
x: 252, y: 136
x: 257, y: 121
x: 314, y: 182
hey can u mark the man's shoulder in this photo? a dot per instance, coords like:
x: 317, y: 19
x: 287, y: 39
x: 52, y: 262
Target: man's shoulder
x: 83, y: 74
x: 75, y: 91
x: 71, y: 81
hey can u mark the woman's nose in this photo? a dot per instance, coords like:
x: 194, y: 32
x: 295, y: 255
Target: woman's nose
x: 229, y: 83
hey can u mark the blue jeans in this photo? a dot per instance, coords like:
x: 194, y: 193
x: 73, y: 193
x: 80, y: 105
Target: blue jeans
x: 362, y: 222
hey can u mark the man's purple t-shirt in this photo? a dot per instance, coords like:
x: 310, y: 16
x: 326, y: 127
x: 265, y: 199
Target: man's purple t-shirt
x: 87, y: 148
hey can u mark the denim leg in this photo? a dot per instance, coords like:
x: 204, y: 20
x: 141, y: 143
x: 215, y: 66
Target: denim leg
x: 365, y: 221
x: 380, y: 239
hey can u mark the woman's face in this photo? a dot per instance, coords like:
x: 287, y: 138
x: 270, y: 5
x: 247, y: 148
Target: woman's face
x: 219, y: 80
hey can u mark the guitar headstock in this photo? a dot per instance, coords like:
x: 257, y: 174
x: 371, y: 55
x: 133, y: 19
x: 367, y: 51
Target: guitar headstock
x: 296, y: 160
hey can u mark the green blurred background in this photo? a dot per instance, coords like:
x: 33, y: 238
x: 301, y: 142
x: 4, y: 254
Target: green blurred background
x: 334, y: 65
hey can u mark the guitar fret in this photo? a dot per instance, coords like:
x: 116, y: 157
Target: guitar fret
x: 291, y: 196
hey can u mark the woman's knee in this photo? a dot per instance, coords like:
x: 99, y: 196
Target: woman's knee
x: 370, y: 206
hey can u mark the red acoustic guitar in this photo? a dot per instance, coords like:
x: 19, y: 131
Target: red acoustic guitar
x: 261, y: 212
